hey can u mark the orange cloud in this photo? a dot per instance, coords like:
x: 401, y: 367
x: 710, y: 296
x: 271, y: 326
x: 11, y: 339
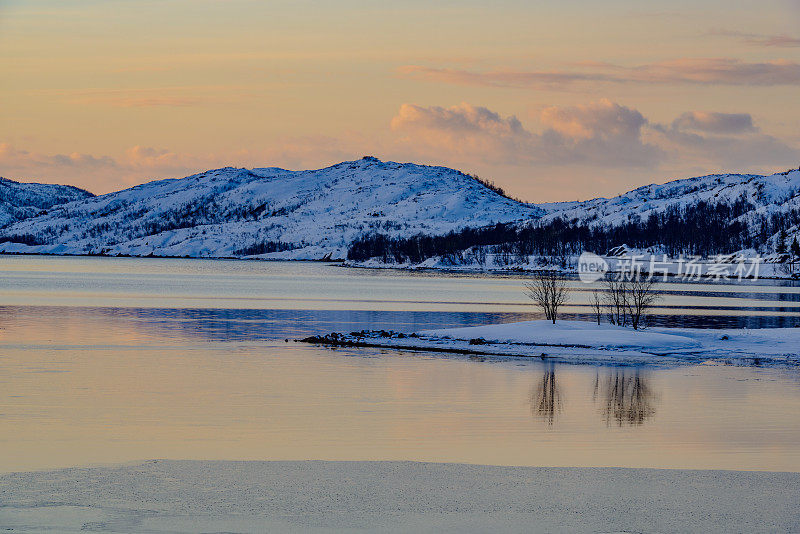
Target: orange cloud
x: 597, y: 119
x: 578, y: 143
x: 600, y: 133
x: 722, y: 123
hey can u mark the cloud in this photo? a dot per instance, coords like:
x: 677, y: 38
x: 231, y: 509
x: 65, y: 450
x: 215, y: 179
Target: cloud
x: 603, y: 119
x: 714, y: 147
x: 142, y: 157
x: 463, y: 130
x: 499, y: 78
x: 721, y: 123
x: 13, y: 158
x: 569, y: 152
x: 137, y: 164
x: 717, y: 71
x: 600, y: 133
x: 703, y: 71
x: 758, y: 39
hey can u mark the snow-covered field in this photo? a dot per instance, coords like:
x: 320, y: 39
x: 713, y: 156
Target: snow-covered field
x: 586, y: 342
x: 205, y: 496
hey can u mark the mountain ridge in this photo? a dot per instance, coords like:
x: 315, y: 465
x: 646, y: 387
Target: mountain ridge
x: 268, y: 212
x: 22, y: 200
x: 275, y: 213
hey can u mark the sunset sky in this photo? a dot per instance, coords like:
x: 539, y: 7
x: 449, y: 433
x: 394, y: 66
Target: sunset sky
x: 552, y: 100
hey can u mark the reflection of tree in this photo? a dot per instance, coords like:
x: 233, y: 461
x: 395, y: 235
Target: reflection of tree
x: 626, y: 396
x: 546, y: 396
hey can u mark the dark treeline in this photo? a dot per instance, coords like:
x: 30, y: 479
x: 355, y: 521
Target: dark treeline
x: 699, y: 229
x: 25, y: 239
x: 264, y: 247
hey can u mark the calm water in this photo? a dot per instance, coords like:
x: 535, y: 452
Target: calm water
x: 107, y: 360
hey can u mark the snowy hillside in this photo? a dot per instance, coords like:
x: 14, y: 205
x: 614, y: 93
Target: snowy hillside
x: 276, y: 213
x: 705, y: 216
x: 20, y: 200
x: 268, y: 212
x: 777, y: 193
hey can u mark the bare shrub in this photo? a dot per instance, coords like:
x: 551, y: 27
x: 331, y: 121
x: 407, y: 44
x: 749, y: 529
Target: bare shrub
x: 630, y: 299
x: 616, y: 297
x: 549, y: 291
x: 789, y: 268
x: 597, y: 304
x: 641, y: 296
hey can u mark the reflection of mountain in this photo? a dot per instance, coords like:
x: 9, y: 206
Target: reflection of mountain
x: 546, y: 396
x: 626, y: 397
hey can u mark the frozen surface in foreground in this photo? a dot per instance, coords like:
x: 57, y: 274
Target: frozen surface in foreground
x: 192, y: 496
x: 586, y: 342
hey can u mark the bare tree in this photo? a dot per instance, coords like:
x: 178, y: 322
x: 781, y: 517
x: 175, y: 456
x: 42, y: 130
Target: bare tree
x: 616, y: 290
x: 787, y: 268
x: 549, y: 291
x: 597, y: 304
x: 640, y: 296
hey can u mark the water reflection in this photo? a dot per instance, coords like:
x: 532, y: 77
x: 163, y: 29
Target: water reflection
x: 235, y: 325
x: 626, y: 397
x: 87, y: 385
x: 546, y: 396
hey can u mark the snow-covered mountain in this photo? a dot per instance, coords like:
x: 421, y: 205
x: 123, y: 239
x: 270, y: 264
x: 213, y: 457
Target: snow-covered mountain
x: 268, y: 212
x: 765, y: 194
x: 276, y: 213
x: 20, y: 200
x: 708, y: 215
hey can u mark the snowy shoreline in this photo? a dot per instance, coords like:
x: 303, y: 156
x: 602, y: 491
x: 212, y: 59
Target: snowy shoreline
x: 708, y: 269
x: 769, y: 271
x: 390, y: 496
x: 589, y: 343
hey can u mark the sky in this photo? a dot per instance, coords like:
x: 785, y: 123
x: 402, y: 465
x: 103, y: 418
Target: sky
x: 550, y: 100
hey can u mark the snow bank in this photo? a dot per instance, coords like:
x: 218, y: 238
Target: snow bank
x: 773, y: 343
x: 576, y: 333
x: 586, y: 342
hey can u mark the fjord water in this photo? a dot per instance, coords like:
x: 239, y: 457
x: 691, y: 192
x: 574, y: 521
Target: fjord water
x: 117, y: 359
